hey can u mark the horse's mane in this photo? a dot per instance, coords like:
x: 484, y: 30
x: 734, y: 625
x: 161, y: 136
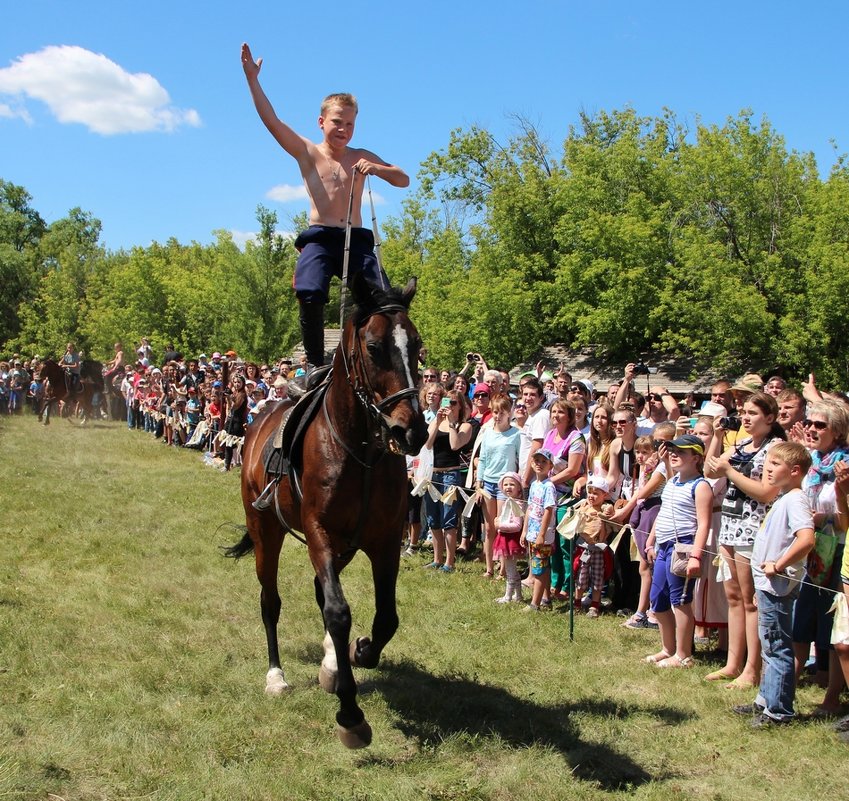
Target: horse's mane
x: 369, y: 298
x: 92, y: 369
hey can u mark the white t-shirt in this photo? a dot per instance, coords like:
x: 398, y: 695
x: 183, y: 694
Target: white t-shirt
x: 790, y: 513
x: 536, y: 427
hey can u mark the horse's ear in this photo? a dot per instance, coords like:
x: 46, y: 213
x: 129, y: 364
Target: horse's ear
x: 362, y: 291
x: 409, y: 291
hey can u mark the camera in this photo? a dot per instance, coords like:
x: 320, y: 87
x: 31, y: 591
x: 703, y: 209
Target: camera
x: 472, y: 357
x: 730, y: 423
x: 641, y: 368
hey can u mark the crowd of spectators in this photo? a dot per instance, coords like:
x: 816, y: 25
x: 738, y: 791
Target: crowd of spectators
x: 617, y: 456
x: 626, y: 461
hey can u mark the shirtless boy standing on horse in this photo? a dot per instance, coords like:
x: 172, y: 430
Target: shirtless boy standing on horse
x: 333, y: 174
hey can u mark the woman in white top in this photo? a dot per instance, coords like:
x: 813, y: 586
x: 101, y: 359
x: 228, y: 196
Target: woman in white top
x: 743, y: 510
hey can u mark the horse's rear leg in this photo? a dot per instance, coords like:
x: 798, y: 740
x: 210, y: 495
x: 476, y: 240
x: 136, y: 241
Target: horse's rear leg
x: 267, y: 552
x: 336, y: 674
x: 365, y: 652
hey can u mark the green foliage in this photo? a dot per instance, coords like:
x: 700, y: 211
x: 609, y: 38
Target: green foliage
x: 638, y: 237
x: 722, y: 246
x: 196, y: 297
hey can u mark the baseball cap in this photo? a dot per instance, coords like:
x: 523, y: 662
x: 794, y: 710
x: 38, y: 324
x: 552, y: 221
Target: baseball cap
x: 600, y: 483
x: 543, y: 453
x: 689, y: 442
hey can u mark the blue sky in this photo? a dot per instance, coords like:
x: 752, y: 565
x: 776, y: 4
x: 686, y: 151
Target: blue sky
x: 139, y: 112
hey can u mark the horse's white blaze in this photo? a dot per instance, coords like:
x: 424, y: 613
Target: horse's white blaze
x: 402, y: 342
x: 329, y: 660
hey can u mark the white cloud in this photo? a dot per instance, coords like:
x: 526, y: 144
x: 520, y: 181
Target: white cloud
x: 88, y: 88
x: 241, y: 238
x: 286, y: 193
x: 9, y: 112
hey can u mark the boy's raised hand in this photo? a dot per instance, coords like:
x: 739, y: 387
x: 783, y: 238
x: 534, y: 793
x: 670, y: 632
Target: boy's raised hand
x: 250, y: 66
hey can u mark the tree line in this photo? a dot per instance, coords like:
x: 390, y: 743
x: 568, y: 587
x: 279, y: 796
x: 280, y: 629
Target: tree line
x: 637, y: 236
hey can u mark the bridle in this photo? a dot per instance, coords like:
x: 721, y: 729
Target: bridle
x: 376, y: 409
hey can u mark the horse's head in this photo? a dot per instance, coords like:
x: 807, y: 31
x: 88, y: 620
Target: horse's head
x: 384, y: 348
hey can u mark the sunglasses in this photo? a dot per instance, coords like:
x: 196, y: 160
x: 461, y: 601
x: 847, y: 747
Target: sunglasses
x: 621, y: 422
x: 520, y: 407
x: 576, y: 388
x: 819, y: 425
x: 481, y: 395
x: 652, y: 396
x: 429, y: 377
x: 453, y: 403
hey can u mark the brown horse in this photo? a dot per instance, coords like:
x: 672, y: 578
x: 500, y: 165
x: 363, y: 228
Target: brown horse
x: 58, y: 387
x: 346, y: 490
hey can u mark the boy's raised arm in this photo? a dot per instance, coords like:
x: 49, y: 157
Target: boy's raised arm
x: 294, y: 144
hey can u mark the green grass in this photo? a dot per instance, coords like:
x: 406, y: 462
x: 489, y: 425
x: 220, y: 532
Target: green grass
x: 132, y: 664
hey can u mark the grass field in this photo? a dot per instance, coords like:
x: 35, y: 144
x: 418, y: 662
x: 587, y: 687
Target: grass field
x: 132, y: 664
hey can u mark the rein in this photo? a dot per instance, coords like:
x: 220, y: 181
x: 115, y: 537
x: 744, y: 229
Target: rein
x: 364, y: 391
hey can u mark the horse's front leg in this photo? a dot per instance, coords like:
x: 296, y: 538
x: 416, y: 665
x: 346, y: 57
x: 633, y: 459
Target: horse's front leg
x: 365, y: 652
x: 336, y: 674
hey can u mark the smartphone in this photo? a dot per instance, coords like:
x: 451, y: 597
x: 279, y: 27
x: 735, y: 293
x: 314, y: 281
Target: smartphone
x: 445, y: 403
x: 693, y: 421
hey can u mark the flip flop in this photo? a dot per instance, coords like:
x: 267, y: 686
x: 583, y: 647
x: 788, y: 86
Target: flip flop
x: 740, y: 685
x: 721, y: 675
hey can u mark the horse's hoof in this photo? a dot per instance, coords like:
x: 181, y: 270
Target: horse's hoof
x: 358, y: 736
x: 359, y: 661
x: 327, y: 680
x: 275, y: 683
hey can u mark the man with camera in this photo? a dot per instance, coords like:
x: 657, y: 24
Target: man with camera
x: 660, y: 405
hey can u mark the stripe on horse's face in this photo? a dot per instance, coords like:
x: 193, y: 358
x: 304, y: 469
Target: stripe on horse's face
x: 402, y: 342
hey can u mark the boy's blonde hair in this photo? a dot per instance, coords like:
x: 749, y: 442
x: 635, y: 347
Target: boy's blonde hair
x: 339, y: 99
x: 792, y: 454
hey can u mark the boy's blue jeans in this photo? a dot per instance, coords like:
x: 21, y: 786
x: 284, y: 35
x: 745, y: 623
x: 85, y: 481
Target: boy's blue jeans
x: 775, y: 629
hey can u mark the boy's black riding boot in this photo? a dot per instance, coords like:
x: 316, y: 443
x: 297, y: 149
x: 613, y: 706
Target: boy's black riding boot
x: 312, y: 332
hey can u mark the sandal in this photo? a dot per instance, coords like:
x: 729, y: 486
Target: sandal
x: 721, y: 675
x: 653, y: 659
x: 675, y: 661
x: 487, y: 574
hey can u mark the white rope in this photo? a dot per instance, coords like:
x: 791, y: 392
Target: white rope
x: 376, y: 234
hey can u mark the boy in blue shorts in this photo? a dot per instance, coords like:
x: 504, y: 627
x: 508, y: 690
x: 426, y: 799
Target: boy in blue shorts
x: 782, y: 543
x: 538, y: 531
x: 333, y: 174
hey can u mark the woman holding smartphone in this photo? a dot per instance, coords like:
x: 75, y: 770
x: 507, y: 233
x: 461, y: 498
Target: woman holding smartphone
x: 448, y: 434
x: 747, y: 498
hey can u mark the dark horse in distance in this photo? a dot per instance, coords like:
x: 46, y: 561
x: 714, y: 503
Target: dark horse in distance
x: 345, y: 489
x: 58, y: 387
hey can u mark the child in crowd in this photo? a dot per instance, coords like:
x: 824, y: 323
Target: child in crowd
x: 538, y: 530
x: 640, y: 512
x: 509, y: 524
x: 782, y: 543
x: 684, y: 517
x: 192, y: 412
x: 595, y: 532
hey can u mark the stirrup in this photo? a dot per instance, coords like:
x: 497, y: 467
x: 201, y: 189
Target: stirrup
x: 264, y: 500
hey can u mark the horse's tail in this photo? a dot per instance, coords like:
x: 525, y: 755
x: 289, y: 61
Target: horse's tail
x: 241, y: 548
